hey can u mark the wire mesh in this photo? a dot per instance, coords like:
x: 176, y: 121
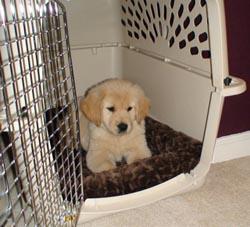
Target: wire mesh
x: 40, y: 161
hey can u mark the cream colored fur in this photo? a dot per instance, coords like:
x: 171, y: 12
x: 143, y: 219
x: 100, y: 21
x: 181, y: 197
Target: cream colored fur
x: 99, y: 131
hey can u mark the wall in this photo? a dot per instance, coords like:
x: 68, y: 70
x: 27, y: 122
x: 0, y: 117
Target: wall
x: 236, y: 112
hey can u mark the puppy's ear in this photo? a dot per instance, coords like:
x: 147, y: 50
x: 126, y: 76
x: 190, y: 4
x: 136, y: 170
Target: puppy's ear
x: 91, y: 107
x: 142, y: 108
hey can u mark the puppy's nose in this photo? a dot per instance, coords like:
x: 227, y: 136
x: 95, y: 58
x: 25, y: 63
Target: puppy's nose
x: 122, y: 127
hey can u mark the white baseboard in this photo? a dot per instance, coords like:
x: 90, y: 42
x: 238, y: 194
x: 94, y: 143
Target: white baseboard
x: 232, y: 147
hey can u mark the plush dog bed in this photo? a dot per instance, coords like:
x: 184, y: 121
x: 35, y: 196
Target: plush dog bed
x: 173, y: 153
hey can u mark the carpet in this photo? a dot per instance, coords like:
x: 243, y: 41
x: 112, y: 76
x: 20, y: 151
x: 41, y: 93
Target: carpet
x: 223, y: 201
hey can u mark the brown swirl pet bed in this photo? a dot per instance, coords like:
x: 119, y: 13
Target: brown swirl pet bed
x: 173, y: 153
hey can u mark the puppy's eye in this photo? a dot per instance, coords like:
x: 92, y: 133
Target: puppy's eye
x: 111, y: 109
x: 129, y: 108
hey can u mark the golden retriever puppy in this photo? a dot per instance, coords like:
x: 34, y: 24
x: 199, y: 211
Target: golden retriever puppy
x: 112, y: 124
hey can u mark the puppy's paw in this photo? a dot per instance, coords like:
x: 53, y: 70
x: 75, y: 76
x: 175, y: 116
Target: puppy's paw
x: 104, y: 166
x: 138, y: 154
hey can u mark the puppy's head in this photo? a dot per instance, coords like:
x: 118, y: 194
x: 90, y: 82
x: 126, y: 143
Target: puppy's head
x: 116, y: 105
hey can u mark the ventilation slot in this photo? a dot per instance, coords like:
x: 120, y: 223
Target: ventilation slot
x: 206, y: 54
x: 191, y: 5
x: 197, y: 20
x: 138, y: 15
x: 137, y: 25
x: 148, y: 16
x: 130, y: 23
x: 155, y: 30
x: 140, y: 7
x: 172, y: 4
x: 203, y: 3
x: 165, y: 12
x: 143, y: 34
x: 182, y: 44
x: 136, y: 35
x: 194, y: 50
x: 171, y: 42
x: 152, y: 36
x: 158, y: 10
x: 203, y: 37
x: 191, y: 36
x: 145, y: 24
x: 130, y: 11
x: 186, y: 22
x: 160, y: 28
x: 172, y: 19
x: 180, y: 12
x: 177, y: 30
x: 123, y: 9
x: 123, y: 23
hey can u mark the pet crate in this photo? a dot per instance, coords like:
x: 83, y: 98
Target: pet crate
x: 174, y: 49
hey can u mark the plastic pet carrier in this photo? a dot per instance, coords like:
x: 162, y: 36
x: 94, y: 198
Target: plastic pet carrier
x: 174, y: 49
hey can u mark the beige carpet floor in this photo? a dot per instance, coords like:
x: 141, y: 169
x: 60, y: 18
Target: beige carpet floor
x: 223, y: 201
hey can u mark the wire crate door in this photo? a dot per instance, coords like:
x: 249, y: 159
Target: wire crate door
x: 40, y: 157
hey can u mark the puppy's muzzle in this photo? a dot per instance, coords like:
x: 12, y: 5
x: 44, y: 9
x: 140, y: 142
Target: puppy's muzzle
x: 122, y: 127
